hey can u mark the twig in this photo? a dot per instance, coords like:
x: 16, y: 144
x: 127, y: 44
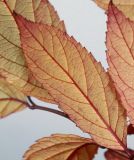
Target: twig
x: 31, y: 101
x: 35, y: 106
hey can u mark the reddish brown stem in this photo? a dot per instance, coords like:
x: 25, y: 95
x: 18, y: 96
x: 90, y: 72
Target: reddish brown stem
x: 35, y: 106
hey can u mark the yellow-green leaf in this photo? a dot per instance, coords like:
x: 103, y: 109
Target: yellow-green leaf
x: 11, y: 100
x: 62, y: 147
x: 12, y: 62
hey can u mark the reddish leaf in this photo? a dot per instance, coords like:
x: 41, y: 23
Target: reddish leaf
x: 120, y: 45
x: 111, y: 155
x: 76, y: 81
x: 130, y: 130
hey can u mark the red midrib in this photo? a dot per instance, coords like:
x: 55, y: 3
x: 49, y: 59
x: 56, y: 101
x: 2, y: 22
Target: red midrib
x: 33, y: 11
x: 90, y: 102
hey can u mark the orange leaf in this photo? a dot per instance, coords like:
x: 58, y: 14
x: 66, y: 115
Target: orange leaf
x: 120, y: 44
x: 76, y: 81
x: 126, y: 6
x: 111, y: 155
x: 11, y: 100
x: 62, y: 147
x: 12, y: 62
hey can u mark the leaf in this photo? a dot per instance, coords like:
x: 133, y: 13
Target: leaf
x: 11, y: 100
x: 111, y: 155
x: 62, y: 147
x: 126, y: 6
x: 76, y: 81
x: 120, y: 44
x: 46, y: 14
x: 130, y: 130
x: 12, y: 62
x: 40, y: 11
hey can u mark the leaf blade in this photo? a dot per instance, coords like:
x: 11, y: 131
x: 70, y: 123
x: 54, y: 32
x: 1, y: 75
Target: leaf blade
x: 68, y: 80
x: 120, y: 56
x: 127, y: 7
x: 45, y: 13
x: 65, y: 147
x: 111, y: 155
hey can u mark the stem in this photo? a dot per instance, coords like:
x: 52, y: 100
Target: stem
x: 31, y: 101
x: 34, y: 106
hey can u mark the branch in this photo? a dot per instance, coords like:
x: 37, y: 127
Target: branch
x: 35, y: 106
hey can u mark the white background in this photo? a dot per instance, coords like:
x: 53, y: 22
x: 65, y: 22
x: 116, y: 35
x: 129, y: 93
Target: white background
x: 87, y: 23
